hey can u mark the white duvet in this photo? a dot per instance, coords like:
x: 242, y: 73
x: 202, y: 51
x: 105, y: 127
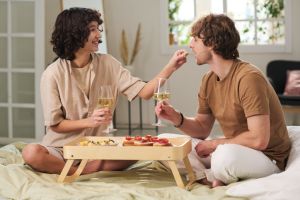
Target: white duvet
x: 282, y: 186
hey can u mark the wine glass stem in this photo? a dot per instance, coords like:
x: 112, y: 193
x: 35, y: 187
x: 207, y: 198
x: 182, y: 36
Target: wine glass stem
x: 110, y: 126
x: 158, y: 122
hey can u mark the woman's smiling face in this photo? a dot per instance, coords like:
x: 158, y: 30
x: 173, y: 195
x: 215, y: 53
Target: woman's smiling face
x: 92, y: 43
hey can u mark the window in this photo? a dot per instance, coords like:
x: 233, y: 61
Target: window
x: 21, y: 65
x: 264, y: 25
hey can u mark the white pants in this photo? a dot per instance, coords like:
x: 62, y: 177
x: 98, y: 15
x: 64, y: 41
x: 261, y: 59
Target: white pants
x: 228, y: 163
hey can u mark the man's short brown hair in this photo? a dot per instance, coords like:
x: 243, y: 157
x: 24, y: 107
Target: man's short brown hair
x: 219, y: 32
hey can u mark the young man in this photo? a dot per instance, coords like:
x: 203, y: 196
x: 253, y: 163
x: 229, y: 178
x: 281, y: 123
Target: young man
x: 69, y: 88
x: 239, y: 97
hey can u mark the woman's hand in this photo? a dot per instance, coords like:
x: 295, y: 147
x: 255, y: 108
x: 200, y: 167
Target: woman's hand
x: 99, y: 117
x: 178, y: 59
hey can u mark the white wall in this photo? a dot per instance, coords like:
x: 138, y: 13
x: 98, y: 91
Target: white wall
x: 126, y: 14
x: 52, y: 9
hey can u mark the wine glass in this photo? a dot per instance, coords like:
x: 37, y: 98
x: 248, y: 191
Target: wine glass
x: 106, y: 100
x: 161, y: 93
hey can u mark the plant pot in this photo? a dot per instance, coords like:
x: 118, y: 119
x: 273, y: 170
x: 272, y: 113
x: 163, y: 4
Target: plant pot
x: 171, y: 39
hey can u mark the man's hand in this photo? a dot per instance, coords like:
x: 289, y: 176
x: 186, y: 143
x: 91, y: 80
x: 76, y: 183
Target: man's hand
x: 205, y: 148
x: 166, y: 111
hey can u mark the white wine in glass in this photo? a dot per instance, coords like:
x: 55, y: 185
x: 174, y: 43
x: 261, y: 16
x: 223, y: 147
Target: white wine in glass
x: 162, y: 96
x: 106, y: 100
x: 161, y: 93
x: 105, y: 103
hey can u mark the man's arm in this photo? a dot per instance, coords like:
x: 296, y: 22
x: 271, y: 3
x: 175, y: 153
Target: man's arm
x: 198, y: 127
x: 257, y: 137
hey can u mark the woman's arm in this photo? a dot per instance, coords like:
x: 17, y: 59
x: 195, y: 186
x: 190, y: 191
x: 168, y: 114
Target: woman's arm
x: 177, y: 60
x: 99, y: 117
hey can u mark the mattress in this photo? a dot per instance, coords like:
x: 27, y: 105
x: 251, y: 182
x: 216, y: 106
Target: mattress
x: 144, y: 180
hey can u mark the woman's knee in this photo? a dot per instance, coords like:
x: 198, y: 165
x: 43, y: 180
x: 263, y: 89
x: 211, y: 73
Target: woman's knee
x: 31, y: 153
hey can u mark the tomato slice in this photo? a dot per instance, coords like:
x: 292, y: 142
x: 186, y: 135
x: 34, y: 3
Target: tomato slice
x: 138, y: 138
x: 154, y: 139
x: 148, y: 136
x: 163, y: 140
x: 145, y: 140
x: 128, y: 138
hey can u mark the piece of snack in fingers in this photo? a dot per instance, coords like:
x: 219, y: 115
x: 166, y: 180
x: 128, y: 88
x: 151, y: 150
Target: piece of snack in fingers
x: 186, y: 54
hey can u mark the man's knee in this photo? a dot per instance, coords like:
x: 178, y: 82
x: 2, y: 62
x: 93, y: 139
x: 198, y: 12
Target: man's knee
x: 31, y: 153
x: 223, y: 163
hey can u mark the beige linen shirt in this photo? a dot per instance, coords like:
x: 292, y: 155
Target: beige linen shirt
x: 63, y: 98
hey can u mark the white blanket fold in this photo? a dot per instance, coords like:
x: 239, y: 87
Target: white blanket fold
x: 282, y: 186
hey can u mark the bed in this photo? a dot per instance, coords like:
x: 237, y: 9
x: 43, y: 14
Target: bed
x: 144, y: 180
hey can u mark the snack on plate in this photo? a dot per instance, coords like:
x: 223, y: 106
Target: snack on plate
x: 162, y: 142
x: 129, y: 141
x: 104, y: 142
x: 147, y: 140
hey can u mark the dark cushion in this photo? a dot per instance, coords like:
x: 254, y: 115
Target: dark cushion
x: 292, y: 86
x: 277, y: 75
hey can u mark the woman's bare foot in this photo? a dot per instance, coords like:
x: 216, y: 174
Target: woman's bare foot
x: 217, y: 183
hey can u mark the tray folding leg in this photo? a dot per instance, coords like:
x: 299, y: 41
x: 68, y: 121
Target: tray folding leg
x: 63, y: 178
x: 191, y: 175
x: 176, y: 174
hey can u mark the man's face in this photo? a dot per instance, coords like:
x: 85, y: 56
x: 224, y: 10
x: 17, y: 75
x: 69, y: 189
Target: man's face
x: 202, y: 53
x: 92, y: 43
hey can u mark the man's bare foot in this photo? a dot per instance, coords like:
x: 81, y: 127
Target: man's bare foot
x: 204, y: 181
x: 217, y: 183
x: 93, y: 166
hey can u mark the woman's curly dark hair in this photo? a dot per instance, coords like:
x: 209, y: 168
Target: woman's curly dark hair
x: 71, y: 31
x: 219, y: 32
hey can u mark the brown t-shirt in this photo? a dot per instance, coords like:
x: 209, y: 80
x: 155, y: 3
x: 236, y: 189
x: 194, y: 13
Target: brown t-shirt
x: 64, y: 98
x: 243, y: 93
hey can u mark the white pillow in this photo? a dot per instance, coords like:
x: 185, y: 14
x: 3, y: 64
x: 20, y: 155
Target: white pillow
x: 281, y: 186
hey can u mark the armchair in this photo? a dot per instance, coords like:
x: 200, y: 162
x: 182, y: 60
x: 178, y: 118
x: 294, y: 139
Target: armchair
x: 277, y: 75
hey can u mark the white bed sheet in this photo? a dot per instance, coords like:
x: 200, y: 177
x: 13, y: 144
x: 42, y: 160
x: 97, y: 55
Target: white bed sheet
x: 281, y: 186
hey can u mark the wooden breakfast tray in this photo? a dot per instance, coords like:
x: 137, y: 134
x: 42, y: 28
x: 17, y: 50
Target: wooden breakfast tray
x: 179, y: 150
